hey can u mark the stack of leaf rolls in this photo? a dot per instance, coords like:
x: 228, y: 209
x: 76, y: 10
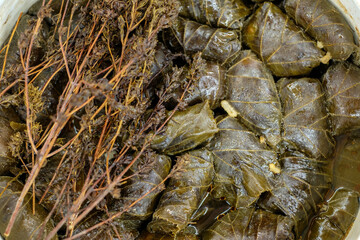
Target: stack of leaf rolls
x: 249, y: 152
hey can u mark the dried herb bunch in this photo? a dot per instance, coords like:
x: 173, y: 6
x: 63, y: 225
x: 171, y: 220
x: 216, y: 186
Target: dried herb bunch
x: 79, y: 74
x: 177, y: 119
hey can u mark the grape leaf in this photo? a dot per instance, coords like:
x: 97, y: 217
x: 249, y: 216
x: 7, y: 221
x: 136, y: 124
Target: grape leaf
x: 243, y: 165
x: 248, y: 223
x: 156, y: 236
x: 336, y: 216
x: 186, y: 130
x: 253, y: 95
x: 303, y: 184
x: 342, y: 87
x: 27, y: 225
x: 346, y: 166
x: 216, y: 13
x: 184, y: 193
x: 210, y: 85
x: 215, y: 44
x: 306, y: 127
x: 322, y: 21
x: 139, y: 184
x: 280, y: 44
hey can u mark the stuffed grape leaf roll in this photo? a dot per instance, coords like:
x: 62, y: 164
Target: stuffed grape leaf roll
x: 27, y: 226
x: 6, y: 159
x: 280, y: 44
x: 215, y: 13
x: 253, y: 96
x: 210, y: 85
x: 186, y: 130
x: 214, y: 44
x: 156, y: 236
x: 249, y: 223
x: 303, y: 184
x: 322, y: 21
x: 139, y: 184
x: 244, y: 167
x: 342, y: 87
x: 184, y: 193
x: 305, y: 122
x: 336, y: 216
x: 116, y: 229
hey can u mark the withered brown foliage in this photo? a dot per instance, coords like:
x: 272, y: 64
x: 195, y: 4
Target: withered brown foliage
x: 94, y: 60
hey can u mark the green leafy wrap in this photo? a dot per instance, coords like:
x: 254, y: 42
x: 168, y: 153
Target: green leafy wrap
x: 322, y: 21
x: 253, y: 96
x: 280, y: 44
x: 244, y: 167
x: 216, y: 13
x: 184, y: 193
x: 249, y: 223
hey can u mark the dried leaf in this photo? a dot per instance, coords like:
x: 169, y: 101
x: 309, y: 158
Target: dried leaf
x: 305, y: 120
x: 184, y: 193
x: 248, y: 223
x: 280, y: 44
x: 242, y: 164
x: 253, y: 95
x: 342, y: 87
x: 186, y: 130
x: 216, y: 13
x: 322, y: 21
x: 336, y: 216
x: 303, y: 184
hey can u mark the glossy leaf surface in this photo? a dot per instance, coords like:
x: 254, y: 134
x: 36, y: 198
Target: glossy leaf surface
x: 142, y: 183
x: 336, y: 216
x: 216, y: 13
x: 305, y: 118
x: 280, y: 44
x: 253, y: 95
x: 186, y: 130
x: 155, y: 236
x: 248, y: 223
x: 342, y: 87
x: 325, y: 23
x: 210, y: 85
x: 215, y: 44
x: 27, y: 225
x: 346, y: 168
x: 184, y: 193
x: 303, y: 184
x: 242, y: 164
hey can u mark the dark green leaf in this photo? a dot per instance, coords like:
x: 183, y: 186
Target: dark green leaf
x: 336, y: 216
x: 248, y: 223
x: 210, y: 86
x: 215, y: 44
x: 253, y: 95
x: 27, y: 225
x: 140, y: 184
x: 186, y: 130
x: 156, y: 236
x: 342, y: 87
x: 184, y: 193
x: 280, y: 44
x: 305, y: 118
x: 346, y: 169
x: 244, y: 167
x: 216, y: 13
x: 325, y: 23
x: 304, y: 182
